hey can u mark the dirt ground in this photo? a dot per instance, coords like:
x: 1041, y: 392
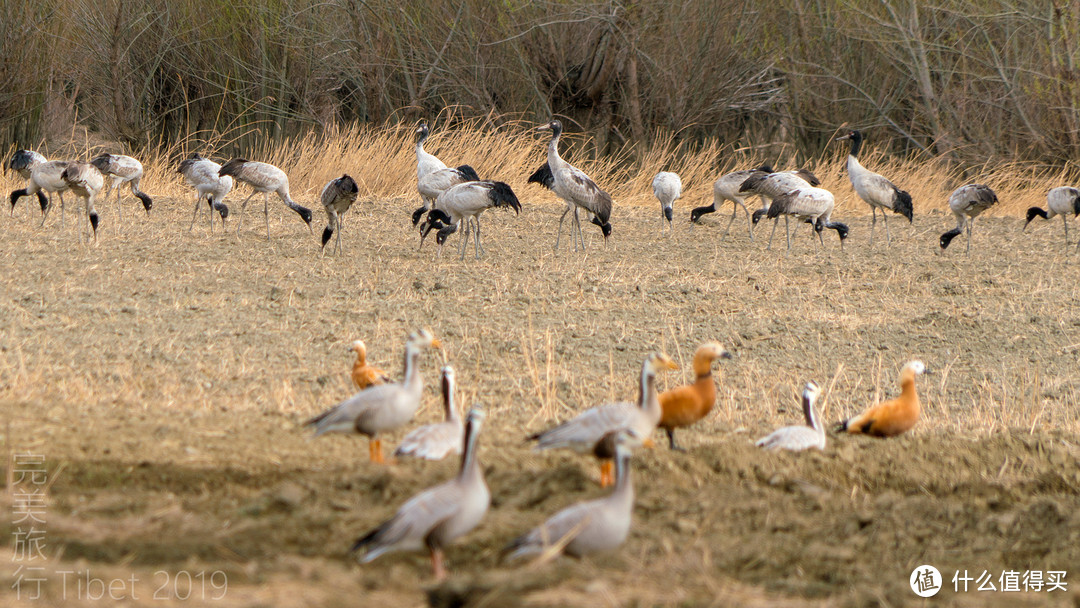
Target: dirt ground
x: 163, y: 375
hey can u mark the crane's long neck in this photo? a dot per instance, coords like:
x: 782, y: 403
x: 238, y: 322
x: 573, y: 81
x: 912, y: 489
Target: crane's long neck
x: 647, y: 397
x: 624, y: 485
x: 448, y: 399
x: 469, y: 463
x: 554, y: 160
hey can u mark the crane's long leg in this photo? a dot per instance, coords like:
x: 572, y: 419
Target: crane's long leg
x: 734, y: 212
x: 775, y: 222
x: 888, y: 237
x: 243, y: 205
x: 62, y: 207
x: 195, y: 215
x: 580, y: 234
x: 266, y: 213
x: 562, y: 217
x: 971, y: 224
x: 873, y: 222
x: 119, y: 209
x: 787, y: 232
x: 465, y: 239
x: 477, y: 248
x: 1065, y: 222
x: 340, y: 229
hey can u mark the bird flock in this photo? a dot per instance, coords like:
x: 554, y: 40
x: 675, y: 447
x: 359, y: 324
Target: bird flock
x: 451, y: 196
x: 453, y: 200
x: 436, y: 517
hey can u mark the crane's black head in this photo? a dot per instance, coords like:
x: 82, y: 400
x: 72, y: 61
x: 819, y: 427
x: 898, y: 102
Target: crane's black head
x: 422, y: 131
x: 667, y: 214
x: 948, y: 237
x: 903, y: 205
x: 305, y: 214
x: 554, y: 126
x: 326, y: 234
x: 16, y: 195
x: 605, y: 227
x: 1076, y: 206
x: 757, y: 215
x: 44, y: 202
x: 700, y: 211
x: 1033, y: 213
x: 438, y: 215
x: 416, y: 215
x: 765, y: 167
x: 853, y: 135
x: 147, y: 202
x: 94, y: 221
x: 841, y: 229
x: 220, y: 208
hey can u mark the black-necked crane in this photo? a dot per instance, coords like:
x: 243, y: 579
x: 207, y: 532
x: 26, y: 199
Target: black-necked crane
x: 667, y: 188
x: 202, y: 174
x: 435, y: 183
x: 812, y: 205
x: 23, y: 163
x: 876, y: 190
x: 337, y: 196
x: 771, y: 185
x: 966, y: 203
x: 122, y: 170
x: 544, y: 178
x: 465, y: 202
x: 265, y: 178
x: 726, y: 188
x: 40, y: 175
x: 577, y: 189
x: 1059, y: 201
x: 85, y: 181
x: 433, y: 176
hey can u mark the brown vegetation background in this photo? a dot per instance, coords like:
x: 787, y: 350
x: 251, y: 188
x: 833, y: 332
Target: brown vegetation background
x: 969, y: 82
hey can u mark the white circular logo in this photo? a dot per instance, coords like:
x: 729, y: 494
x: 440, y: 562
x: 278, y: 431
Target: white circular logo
x: 925, y: 581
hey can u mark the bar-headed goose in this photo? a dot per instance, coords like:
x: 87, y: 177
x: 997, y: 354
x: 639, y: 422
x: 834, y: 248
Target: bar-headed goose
x: 798, y: 438
x: 437, y: 516
x: 435, y: 441
x: 383, y: 407
x: 583, y: 432
x: 592, y: 526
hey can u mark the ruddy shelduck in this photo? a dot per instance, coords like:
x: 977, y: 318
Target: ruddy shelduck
x: 686, y: 405
x: 364, y: 375
x: 893, y: 417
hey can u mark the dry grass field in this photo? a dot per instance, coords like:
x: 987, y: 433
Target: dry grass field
x: 164, y: 375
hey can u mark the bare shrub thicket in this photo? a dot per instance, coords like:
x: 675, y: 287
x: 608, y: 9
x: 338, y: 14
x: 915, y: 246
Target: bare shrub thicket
x: 960, y: 80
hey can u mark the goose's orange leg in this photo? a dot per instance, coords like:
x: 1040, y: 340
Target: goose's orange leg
x: 375, y: 451
x: 607, y: 473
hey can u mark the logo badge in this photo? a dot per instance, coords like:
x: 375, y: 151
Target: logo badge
x: 925, y: 581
